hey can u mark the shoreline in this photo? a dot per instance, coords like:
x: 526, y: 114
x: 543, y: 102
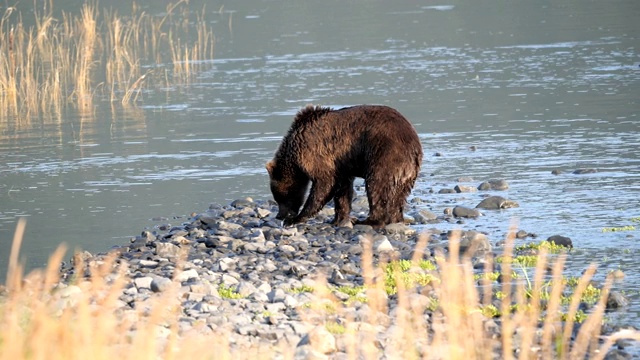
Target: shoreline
x: 235, y: 270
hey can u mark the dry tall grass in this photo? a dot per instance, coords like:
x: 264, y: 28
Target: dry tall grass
x: 57, y: 62
x: 40, y: 319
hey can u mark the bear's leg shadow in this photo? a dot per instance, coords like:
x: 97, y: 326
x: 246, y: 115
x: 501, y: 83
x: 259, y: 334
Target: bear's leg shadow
x: 342, y: 197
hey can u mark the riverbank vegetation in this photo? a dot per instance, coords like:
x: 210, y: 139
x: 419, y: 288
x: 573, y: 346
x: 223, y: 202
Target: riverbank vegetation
x: 65, y: 61
x: 467, y: 317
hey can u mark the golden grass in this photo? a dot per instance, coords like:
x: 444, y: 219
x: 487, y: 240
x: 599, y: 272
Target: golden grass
x: 40, y: 319
x: 61, y: 61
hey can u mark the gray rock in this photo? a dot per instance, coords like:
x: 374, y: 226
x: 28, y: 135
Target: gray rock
x: 290, y: 301
x: 382, y: 245
x: 226, y: 264
x: 494, y: 184
x: 464, y: 212
x: 424, y: 216
x: 474, y: 241
x: 259, y: 296
x: 148, y: 263
x: 496, y: 203
x: 263, y: 213
x: 276, y: 295
x: 242, y: 203
x: 229, y: 226
x: 616, y: 300
x: 257, y: 236
x: 307, y: 352
x: 399, y: 228
x: 167, y: 250
x: 143, y: 282
x: 228, y: 280
x: 446, y: 191
x: 464, y: 189
x: 270, y: 334
x: 160, y: 284
x: 584, y: 171
x: 245, y: 288
x: 618, y: 354
x: 187, y: 275
x: 560, y: 240
x: 320, y: 340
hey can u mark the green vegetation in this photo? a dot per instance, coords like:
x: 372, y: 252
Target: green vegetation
x: 491, y: 276
x: 578, y: 318
x: 335, y: 328
x: 402, y: 270
x: 357, y: 293
x: 226, y: 292
x: 591, y: 295
x: 620, y: 228
x: 522, y: 260
x: 623, y: 228
x: 302, y: 289
x: 551, y: 247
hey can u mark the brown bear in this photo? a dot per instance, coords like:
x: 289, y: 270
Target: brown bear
x: 329, y: 148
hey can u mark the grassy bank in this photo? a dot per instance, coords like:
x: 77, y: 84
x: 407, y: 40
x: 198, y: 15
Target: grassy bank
x: 66, y: 61
x: 41, y: 319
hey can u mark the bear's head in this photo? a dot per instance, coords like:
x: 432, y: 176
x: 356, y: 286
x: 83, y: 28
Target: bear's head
x: 288, y: 187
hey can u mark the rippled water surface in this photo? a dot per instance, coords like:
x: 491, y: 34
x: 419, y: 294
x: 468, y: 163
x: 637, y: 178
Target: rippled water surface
x: 533, y: 87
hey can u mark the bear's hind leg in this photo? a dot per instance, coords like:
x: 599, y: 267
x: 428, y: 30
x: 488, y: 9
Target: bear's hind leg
x: 377, y: 196
x: 396, y: 206
x: 342, y: 197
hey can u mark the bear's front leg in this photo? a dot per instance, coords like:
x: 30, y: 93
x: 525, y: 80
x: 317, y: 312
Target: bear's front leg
x: 319, y: 195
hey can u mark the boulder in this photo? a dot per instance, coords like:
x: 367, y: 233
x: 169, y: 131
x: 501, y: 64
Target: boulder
x: 496, y: 203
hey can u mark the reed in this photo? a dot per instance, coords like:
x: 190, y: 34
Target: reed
x: 66, y: 61
x: 40, y: 317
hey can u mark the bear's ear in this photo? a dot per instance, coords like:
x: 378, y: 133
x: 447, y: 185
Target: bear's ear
x: 270, y: 165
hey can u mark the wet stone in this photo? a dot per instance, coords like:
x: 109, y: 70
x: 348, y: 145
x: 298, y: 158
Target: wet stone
x: 496, y: 203
x: 424, y: 216
x: 464, y: 212
x: 464, y: 189
x: 616, y: 301
x: 560, y: 240
x: 584, y: 171
x: 446, y: 191
x: 493, y: 184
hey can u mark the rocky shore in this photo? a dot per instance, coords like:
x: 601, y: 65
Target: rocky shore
x: 234, y: 268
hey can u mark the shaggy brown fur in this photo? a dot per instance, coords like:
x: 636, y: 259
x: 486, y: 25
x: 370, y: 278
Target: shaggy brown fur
x: 329, y: 148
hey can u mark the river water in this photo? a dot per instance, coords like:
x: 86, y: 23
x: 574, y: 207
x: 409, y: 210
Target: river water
x: 534, y: 86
